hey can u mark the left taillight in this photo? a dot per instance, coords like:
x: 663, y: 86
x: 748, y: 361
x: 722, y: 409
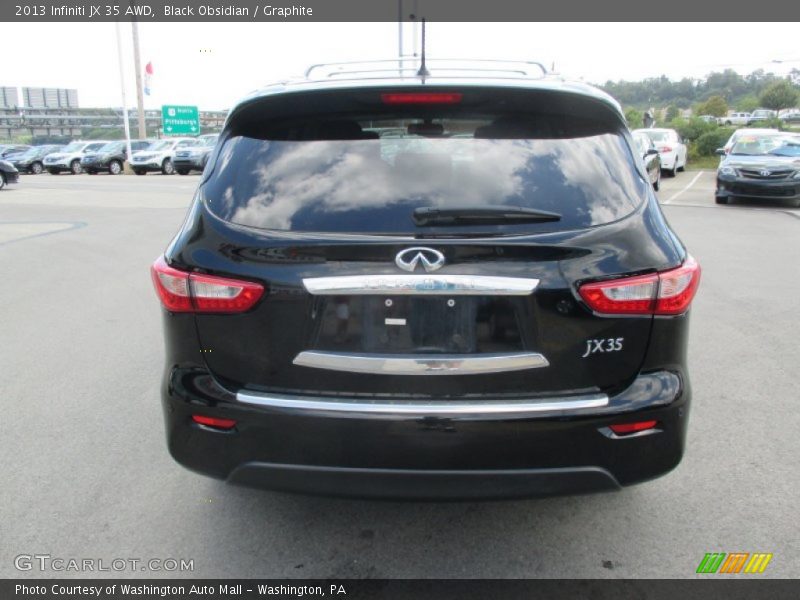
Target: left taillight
x: 180, y: 291
x: 665, y: 293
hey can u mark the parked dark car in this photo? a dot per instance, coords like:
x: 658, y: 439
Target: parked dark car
x: 31, y: 161
x: 760, y: 115
x: 8, y: 174
x: 194, y: 158
x: 328, y: 306
x: 9, y: 149
x: 111, y: 157
x: 765, y: 166
x: 791, y: 116
x: 650, y: 156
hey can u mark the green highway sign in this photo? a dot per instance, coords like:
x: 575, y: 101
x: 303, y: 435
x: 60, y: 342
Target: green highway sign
x: 180, y: 120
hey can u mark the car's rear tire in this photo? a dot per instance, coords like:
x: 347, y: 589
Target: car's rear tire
x: 683, y: 166
x: 167, y: 168
x: 140, y: 171
x: 36, y: 168
x: 2, y: 181
x: 721, y: 199
x: 183, y: 171
x: 53, y: 171
x: 115, y: 167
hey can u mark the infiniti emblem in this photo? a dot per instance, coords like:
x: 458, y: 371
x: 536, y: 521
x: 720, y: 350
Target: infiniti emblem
x: 409, y: 258
x: 765, y: 173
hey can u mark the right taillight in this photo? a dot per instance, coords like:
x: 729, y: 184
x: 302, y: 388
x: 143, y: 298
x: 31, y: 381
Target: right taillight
x: 665, y: 293
x: 180, y: 291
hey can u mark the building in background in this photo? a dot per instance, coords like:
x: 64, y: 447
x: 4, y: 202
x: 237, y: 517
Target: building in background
x: 52, y: 115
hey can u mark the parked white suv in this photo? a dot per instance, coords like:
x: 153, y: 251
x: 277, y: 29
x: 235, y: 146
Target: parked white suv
x: 671, y: 149
x: 69, y: 157
x: 159, y: 156
x: 735, y: 118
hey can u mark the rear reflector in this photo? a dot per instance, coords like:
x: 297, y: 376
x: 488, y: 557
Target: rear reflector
x: 422, y: 98
x: 624, y: 428
x: 214, y: 422
x: 180, y: 291
x: 666, y: 293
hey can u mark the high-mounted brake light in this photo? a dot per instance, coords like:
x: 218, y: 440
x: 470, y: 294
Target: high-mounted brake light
x: 215, y: 422
x: 666, y: 293
x: 180, y: 291
x: 422, y: 98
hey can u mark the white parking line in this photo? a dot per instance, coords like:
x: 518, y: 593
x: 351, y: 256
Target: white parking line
x: 676, y: 194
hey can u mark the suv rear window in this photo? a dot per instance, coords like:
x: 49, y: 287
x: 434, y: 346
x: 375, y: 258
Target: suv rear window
x: 369, y: 174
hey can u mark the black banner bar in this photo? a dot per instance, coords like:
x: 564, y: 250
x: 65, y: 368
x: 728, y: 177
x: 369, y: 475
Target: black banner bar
x: 185, y: 11
x: 744, y: 588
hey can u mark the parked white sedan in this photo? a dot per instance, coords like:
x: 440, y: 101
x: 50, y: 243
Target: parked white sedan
x: 671, y: 148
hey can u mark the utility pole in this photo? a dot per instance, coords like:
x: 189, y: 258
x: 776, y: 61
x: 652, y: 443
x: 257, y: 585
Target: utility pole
x: 138, y: 67
x: 124, y: 101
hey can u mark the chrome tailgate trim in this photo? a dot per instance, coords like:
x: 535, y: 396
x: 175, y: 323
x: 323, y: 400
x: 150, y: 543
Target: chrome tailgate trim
x: 393, y: 285
x: 517, y: 408
x: 421, y: 364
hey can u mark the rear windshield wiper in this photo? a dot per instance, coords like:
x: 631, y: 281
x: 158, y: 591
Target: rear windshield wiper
x: 488, y: 215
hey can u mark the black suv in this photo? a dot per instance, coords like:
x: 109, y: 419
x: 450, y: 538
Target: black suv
x: 111, y: 157
x: 456, y: 285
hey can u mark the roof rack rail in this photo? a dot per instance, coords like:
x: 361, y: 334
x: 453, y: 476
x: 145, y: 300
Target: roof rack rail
x: 408, y: 66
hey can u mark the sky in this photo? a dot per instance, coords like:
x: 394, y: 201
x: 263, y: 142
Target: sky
x: 211, y: 65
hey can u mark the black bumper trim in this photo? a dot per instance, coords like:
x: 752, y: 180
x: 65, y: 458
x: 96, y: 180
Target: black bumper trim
x: 408, y: 484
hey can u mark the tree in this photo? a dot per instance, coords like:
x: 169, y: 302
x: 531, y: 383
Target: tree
x: 672, y: 113
x: 778, y: 95
x: 635, y: 118
x: 747, y: 104
x: 715, y: 106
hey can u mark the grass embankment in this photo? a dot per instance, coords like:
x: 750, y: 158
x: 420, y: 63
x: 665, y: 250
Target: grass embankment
x: 705, y: 163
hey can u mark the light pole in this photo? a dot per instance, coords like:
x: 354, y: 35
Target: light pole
x: 124, y: 101
x: 138, y: 66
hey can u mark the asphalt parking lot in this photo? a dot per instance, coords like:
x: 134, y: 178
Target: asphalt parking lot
x: 86, y: 473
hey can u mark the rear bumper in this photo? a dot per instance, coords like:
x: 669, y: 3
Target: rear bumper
x: 11, y: 176
x: 313, y: 449
x: 408, y: 484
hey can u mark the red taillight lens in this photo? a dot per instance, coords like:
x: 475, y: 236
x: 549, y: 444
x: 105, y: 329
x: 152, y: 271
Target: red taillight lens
x: 665, y: 149
x: 218, y: 294
x: 214, y: 422
x: 676, y: 288
x: 666, y: 293
x: 624, y: 428
x: 172, y: 286
x: 422, y: 98
x: 629, y: 296
x: 180, y: 291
